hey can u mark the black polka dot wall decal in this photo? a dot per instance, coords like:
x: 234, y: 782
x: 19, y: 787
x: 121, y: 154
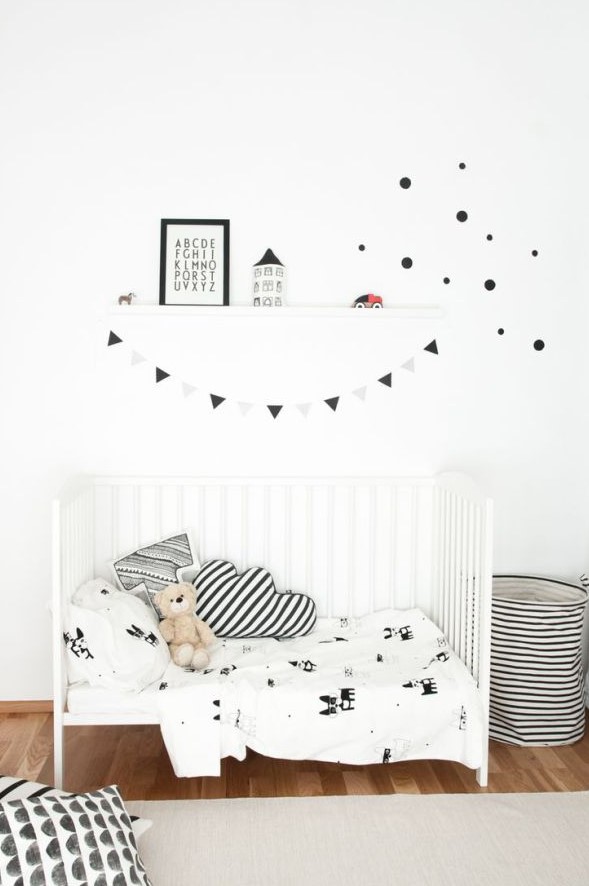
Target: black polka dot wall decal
x: 361, y: 247
x: 462, y: 215
x: 500, y: 331
x: 489, y: 236
x: 462, y: 166
x: 490, y: 285
x: 405, y: 182
x: 534, y: 252
x: 446, y: 280
x: 538, y: 345
x: 407, y: 262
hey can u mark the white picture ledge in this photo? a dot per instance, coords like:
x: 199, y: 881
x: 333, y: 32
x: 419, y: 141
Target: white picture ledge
x: 405, y: 312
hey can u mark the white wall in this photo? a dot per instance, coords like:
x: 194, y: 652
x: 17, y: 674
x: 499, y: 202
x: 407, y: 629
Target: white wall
x: 295, y: 120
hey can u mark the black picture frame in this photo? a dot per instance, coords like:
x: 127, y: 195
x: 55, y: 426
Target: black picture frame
x: 194, y: 262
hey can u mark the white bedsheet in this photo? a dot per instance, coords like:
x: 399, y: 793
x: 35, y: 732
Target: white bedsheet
x: 381, y: 688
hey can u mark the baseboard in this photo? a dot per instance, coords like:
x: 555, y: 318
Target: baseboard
x: 40, y: 706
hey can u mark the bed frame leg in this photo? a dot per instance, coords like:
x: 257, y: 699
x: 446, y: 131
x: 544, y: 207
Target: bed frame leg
x: 58, y: 748
x: 483, y: 772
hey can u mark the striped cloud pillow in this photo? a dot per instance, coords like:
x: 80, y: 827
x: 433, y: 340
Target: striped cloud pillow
x: 248, y: 605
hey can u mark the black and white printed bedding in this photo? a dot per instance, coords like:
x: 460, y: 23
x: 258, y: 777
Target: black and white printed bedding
x: 380, y: 688
x: 112, y: 639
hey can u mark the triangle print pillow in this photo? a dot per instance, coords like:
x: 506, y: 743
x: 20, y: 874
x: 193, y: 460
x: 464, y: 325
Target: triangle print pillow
x: 149, y: 569
x: 248, y: 605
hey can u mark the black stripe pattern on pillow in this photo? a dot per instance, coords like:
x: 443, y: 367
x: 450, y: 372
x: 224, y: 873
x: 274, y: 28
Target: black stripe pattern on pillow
x: 12, y: 788
x: 21, y: 789
x: 248, y: 605
x: 536, y: 661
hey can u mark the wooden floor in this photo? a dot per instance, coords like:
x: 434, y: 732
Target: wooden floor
x: 135, y: 758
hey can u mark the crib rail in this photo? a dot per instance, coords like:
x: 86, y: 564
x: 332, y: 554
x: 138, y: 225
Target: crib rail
x: 354, y: 545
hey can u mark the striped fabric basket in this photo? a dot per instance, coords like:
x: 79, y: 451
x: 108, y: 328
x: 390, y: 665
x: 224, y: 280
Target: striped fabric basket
x: 536, y: 661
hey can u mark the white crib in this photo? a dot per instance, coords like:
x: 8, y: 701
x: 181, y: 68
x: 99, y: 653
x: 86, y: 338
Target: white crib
x: 356, y: 545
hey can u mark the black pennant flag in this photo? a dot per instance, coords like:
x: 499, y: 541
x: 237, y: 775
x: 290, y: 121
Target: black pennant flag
x: 113, y: 339
x: 216, y: 400
x: 274, y: 410
x: 160, y: 375
x: 432, y: 347
x: 332, y: 402
x: 387, y: 379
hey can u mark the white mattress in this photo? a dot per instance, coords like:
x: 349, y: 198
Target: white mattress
x: 85, y: 699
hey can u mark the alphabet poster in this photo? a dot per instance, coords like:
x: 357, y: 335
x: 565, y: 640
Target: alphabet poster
x: 194, y: 262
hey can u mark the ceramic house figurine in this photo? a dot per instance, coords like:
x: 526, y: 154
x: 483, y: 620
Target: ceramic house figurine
x: 269, y: 283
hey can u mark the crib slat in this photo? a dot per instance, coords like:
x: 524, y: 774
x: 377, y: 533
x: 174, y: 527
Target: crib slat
x: 158, y: 511
x: 309, y: 535
x: 446, y: 541
x: 470, y: 588
x: 329, y: 548
x: 267, y: 525
x: 371, y: 549
x: 413, y: 546
x: 460, y: 597
x: 392, y: 557
x: 477, y: 581
x: 351, y: 550
x: 181, y: 507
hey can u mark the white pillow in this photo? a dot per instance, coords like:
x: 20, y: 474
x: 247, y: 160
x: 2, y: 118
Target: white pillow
x: 112, y: 639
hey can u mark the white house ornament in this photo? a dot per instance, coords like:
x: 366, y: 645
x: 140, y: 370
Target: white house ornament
x: 269, y: 281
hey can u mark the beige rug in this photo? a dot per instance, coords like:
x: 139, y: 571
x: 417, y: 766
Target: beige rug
x: 454, y: 840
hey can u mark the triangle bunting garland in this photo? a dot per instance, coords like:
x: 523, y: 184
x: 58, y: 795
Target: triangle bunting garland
x: 275, y: 409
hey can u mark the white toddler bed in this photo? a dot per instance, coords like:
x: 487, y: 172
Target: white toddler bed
x: 359, y: 547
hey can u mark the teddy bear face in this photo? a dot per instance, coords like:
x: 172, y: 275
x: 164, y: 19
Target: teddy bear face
x: 176, y: 599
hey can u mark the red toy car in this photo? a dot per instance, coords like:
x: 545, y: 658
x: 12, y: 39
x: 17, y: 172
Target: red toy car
x: 368, y: 301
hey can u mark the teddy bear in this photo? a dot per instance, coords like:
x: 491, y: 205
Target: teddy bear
x: 186, y: 635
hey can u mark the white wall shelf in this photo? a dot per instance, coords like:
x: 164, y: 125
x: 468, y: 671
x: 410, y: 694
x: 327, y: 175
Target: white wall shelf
x: 398, y: 312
